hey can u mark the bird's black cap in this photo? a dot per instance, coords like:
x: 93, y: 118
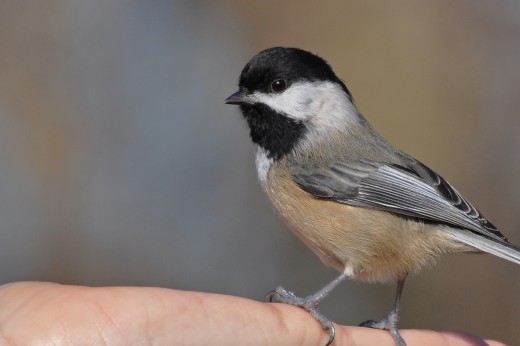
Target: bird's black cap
x: 291, y: 64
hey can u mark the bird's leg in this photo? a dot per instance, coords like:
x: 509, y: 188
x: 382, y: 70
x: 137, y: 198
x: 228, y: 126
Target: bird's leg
x: 309, y: 303
x: 390, y: 322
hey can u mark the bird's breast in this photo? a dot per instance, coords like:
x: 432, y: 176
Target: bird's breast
x: 263, y: 164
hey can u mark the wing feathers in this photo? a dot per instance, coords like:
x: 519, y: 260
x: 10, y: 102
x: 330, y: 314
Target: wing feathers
x: 413, y: 190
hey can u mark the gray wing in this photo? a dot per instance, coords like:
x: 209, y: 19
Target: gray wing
x: 410, y: 189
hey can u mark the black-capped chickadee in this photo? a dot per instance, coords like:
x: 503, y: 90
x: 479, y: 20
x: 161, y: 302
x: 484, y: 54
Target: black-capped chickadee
x: 363, y: 206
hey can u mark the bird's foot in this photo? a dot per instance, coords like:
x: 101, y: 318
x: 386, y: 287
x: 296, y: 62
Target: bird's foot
x: 389, y: 323
x: 309, y: 303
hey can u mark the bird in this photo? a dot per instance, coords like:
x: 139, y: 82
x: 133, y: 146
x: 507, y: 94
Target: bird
x: 363, y: 206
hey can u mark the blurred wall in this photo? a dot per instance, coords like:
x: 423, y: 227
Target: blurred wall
x: 120, y: 165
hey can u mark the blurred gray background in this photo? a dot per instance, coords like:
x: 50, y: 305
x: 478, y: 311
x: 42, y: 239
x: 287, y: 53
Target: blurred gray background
x: 120, y: 164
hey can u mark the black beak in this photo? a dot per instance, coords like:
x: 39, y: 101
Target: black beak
x: 238, y: 98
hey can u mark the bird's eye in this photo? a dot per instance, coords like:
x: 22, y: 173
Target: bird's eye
x: 278, y: 85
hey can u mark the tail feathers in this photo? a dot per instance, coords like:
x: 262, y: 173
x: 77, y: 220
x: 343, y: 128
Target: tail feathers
x: 498, y: 248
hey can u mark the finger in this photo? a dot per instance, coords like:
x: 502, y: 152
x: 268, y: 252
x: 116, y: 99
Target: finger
x: 45, y: 312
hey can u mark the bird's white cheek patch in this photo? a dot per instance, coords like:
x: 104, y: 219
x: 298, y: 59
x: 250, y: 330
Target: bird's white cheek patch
x: 295, y: 102
x: 323, y: 103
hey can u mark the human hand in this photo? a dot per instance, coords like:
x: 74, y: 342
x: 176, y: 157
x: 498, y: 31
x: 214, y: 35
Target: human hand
x: 52, y: 314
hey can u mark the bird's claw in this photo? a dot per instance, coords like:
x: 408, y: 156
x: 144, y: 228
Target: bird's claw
x: 310, y: 303
x: 389, y: 324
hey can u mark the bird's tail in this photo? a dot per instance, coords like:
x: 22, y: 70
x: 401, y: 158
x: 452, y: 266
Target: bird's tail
x: 499, y: 248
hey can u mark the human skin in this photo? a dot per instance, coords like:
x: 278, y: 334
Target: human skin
x: 52, y: 314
